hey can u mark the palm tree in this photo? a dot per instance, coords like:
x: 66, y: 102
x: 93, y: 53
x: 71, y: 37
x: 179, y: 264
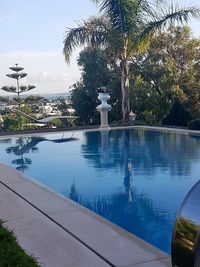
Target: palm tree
x: 124, y: 29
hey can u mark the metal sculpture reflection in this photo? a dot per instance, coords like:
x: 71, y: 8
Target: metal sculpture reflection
x: 186, y: 237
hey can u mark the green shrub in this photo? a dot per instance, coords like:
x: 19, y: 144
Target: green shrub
x: 194, y: 124
x: 177, y: 116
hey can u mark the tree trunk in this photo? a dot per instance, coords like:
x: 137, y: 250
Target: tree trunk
x: 125, y: 90
x: 18, y: 92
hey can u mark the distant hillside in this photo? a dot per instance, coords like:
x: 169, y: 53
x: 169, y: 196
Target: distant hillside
x: 47, y: 96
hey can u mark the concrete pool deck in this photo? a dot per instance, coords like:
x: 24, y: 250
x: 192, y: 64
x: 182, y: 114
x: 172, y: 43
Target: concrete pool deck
x: 59, y: 232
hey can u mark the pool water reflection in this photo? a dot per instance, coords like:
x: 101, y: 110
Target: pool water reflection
x: 135, y: 178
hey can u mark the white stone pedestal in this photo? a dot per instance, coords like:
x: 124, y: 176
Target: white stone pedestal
x: 103, y: 108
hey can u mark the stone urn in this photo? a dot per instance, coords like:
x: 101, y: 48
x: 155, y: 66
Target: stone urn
x: 104, y: 107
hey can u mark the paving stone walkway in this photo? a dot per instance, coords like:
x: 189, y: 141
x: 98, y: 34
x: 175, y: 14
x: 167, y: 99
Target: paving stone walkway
x: 61, y: 233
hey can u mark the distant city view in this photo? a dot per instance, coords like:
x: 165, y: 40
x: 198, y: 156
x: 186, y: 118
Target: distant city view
x: 46, y: 96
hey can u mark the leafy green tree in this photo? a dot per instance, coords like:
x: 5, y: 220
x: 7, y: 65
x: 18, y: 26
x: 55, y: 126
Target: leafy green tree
x: 169, y: 70
x: 4, y: 99
x: 1, y: 123
x: 194, y: 124
x: 96, y: 72
x: 125, y: 28
x: 84, y: 104
x: 32, y: 99
x: 14, y: 122
x: 63, y: 107
x: 177, y: 115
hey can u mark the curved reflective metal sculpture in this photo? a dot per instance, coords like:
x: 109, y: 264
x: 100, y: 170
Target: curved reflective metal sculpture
x: 186, y: 236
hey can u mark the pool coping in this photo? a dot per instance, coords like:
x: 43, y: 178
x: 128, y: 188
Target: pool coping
x: 153, y: 128
x: 98, y: 241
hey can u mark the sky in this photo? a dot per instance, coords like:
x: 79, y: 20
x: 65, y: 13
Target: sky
x: 32, y: 33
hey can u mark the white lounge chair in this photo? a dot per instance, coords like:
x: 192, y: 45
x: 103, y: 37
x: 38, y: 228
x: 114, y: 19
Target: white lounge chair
x: 48, y: 119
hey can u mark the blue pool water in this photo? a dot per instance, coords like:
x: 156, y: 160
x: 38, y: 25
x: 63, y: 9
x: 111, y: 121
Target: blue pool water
x: 135, y: 178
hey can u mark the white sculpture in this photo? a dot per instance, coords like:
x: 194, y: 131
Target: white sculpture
x: 104, y: 107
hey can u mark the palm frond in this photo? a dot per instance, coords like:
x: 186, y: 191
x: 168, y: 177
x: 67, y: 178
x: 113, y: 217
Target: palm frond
x: 158, y: 2
x: 126, y: 15
x: 114, y: 9
x: 121, y: 13
x: 91, y: 32
x: 164, y: 17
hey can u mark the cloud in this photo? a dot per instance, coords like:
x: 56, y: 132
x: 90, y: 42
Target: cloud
x: 46, y: 77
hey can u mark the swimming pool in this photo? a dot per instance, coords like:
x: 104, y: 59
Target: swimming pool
x: 135, y: 178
